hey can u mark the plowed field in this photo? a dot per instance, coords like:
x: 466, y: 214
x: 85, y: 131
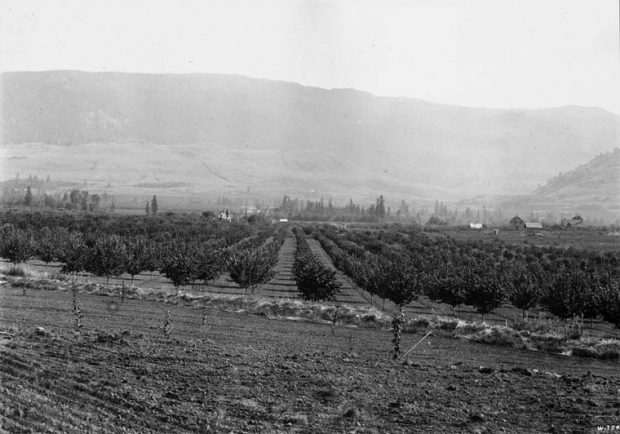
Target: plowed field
x: 242, y: 373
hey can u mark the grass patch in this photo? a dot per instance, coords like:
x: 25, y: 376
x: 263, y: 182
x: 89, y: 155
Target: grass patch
x: 445, y: 324
x: 60, y: 277
x: 500, y: 335
x: 16, y: 271
x: 416, y: 324
x: 537, y: 335
x: 294, y: 309
x: 548, y: 342
x: 607, y: 349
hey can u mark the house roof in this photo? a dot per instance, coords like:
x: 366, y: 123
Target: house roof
x: 533, y: 225
x: 516, y: 220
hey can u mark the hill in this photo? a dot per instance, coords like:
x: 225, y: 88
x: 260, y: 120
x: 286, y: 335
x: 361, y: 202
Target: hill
x: 591, y: 189
x: 229, y: 133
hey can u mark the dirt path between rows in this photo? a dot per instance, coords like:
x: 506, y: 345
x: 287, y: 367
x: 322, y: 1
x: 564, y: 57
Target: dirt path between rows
x: 351, y: 293
x: 283, y: 282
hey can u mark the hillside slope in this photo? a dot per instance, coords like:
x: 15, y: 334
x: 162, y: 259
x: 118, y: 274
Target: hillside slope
x: 277, y: 135
x: 591, y: 189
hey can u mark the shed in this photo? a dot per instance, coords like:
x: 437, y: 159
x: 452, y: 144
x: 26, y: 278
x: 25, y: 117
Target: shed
x: 534, y: 226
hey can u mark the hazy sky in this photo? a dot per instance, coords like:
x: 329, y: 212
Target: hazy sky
x: 493, y: 53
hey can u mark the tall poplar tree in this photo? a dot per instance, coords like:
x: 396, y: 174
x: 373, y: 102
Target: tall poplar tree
x: 154, y: 205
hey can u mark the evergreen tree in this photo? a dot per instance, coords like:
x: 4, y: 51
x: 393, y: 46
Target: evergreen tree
x: 28, y: 197
x: 148, y: 208
x: 154, y: 205
x: 380, y: 207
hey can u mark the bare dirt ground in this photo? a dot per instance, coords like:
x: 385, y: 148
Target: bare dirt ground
x: 242, y: 373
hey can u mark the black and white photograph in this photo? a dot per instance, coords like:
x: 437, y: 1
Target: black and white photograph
x: 309, y: 216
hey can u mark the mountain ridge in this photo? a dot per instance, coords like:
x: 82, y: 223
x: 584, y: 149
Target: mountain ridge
x: 385, y: 143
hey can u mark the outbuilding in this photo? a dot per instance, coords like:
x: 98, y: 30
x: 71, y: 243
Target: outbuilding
x: 517, y: 223
x: 534, y: 226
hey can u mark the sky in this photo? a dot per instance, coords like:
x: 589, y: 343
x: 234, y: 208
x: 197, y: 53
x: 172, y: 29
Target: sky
x: 482, y: 53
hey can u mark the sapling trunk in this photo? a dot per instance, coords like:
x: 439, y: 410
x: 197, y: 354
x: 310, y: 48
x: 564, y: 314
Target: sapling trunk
x: 77, y: 312
x: 167, y: 324
x: 397, y: 325
x: 335, y: 319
